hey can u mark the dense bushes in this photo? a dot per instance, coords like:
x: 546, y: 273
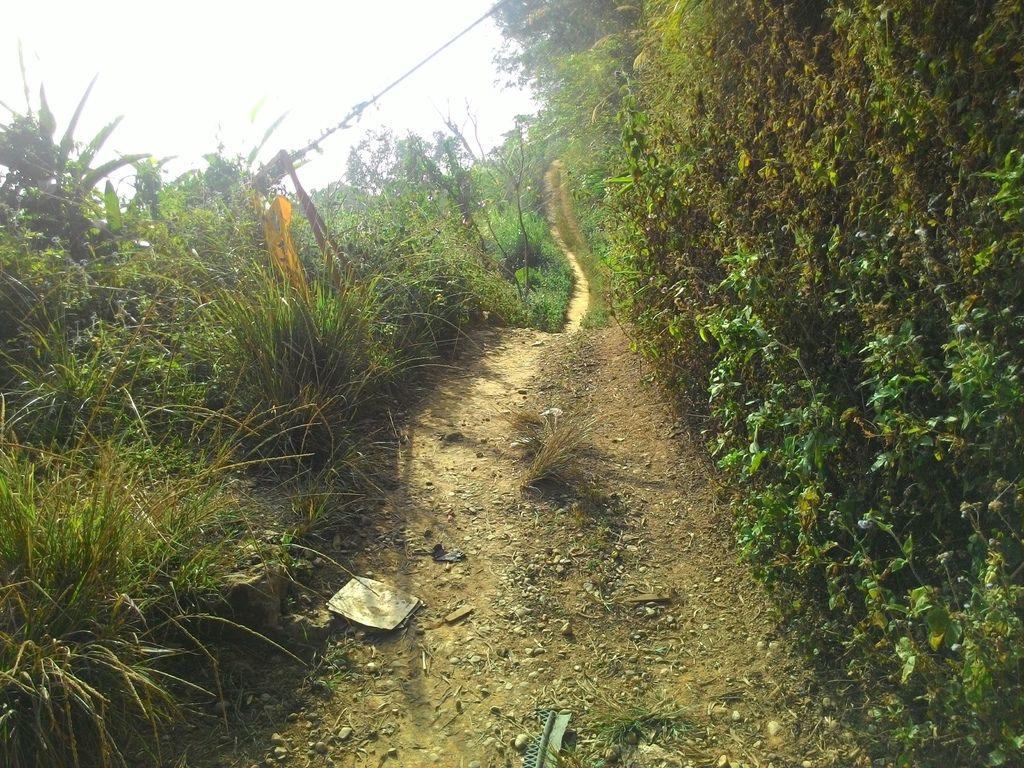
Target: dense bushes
x: 826, y: 204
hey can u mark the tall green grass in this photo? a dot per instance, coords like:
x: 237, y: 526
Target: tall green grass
x: 306, y: 365
x: 101, y: 561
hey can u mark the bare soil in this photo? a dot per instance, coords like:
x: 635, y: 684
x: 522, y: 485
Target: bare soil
x: 551, y: 577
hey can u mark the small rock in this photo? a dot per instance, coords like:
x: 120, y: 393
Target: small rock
x: 393, y: 752
x: 736, y: 716
x: 521, y: 742
x: 278, y: 740
x: 566, y: 629
x: 256, y: 597
x: 774, y: 728
x: 345, y: 733
x: 723, y: 762
x: 280, y: 754
x: 320, y: 748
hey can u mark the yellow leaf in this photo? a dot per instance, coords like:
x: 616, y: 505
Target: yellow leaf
x: 744, y: 162
x: 276, y: 226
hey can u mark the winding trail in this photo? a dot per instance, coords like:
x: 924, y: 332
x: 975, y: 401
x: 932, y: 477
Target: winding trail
x: 558, y: 207
x: 554, y: 585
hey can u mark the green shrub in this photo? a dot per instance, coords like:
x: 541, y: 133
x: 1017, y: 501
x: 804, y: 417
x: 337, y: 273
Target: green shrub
x: 822, y: 250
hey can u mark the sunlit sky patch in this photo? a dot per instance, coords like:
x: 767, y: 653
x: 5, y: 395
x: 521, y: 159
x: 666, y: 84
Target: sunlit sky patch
x: 188, y: 75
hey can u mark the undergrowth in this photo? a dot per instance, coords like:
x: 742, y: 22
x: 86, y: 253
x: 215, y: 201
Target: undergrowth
x: 104, y: 563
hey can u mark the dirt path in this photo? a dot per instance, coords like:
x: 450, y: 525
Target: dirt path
x: 696, y: 674
x: 551, y: 581
x: 558, y: 203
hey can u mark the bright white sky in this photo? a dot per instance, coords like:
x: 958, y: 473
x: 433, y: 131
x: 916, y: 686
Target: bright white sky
x: 187, y: 75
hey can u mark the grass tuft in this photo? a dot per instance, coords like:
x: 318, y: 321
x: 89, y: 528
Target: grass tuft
x: 553, y: 441
x: 304, y: 365
x: 617, y: 723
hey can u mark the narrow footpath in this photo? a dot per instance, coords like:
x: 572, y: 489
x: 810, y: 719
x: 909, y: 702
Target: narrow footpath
x: 616, y: 597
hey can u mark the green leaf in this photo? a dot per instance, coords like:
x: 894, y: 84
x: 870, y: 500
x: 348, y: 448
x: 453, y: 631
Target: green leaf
x: 908, y: 547
x: 755, y: 462
x: 920, y: 600
x: 92, y: 177
x: 24, y: 77
x: 112, y: 207
x: 98, y: 141
x: 907, y: 653
x: 256, y: 109
x: 67, y: 142
x: 996, y: 758
x: 938, y: 624
x: 266, y: 137
x: 47, y: 122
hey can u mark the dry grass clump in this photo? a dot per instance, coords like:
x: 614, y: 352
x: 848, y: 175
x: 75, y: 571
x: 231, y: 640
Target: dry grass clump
x: 552, y: 442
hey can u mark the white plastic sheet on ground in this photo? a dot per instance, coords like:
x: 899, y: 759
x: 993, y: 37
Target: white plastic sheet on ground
x: 373, y: 603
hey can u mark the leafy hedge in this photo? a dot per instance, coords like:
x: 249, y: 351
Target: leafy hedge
x: 825, y: 203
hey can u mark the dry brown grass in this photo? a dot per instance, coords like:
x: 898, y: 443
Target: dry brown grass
x: 552, y: 442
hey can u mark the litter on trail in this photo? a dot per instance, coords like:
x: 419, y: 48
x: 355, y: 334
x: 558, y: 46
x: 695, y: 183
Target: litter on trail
x: 373, y: 603
x: 543, y: 750
x: 451, y: 556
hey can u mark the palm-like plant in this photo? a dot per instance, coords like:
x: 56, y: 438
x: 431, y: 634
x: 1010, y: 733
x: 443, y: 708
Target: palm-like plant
x: 48, y: 186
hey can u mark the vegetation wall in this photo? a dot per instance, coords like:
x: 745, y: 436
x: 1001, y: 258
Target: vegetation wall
x: 819, y: 210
